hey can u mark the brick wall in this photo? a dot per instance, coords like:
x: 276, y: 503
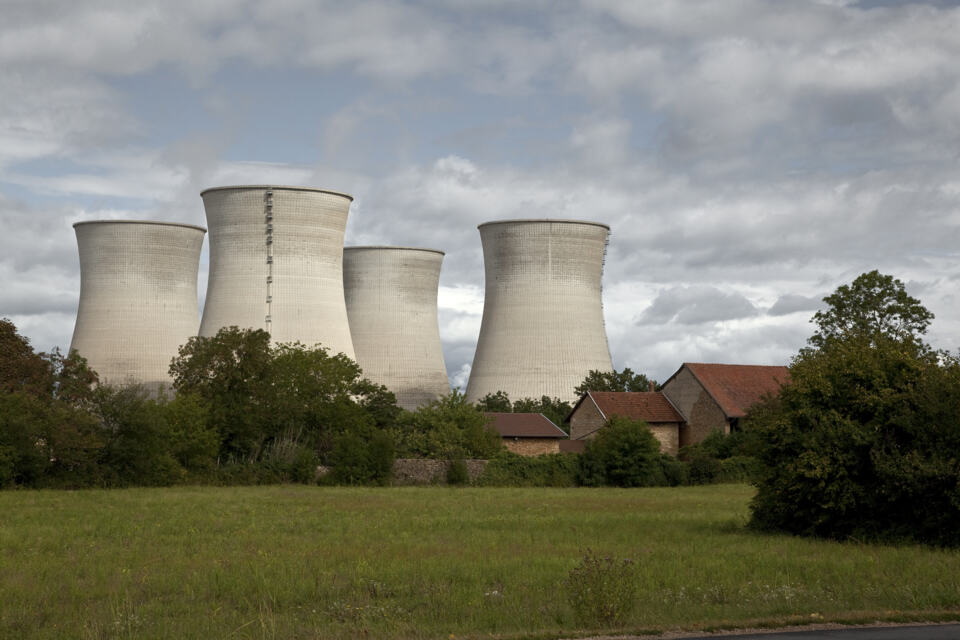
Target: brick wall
x: 532, y: 446
x: 695, y: 404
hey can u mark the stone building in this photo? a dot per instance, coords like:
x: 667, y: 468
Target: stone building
x: 595, y: 407
x: 714, y: 397
x: 528, y: 434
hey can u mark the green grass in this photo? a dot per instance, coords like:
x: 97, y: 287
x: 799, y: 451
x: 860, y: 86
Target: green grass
x: 309, y: 562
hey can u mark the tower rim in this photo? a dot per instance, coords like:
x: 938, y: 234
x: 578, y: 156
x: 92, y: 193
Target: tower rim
x: 393, y: 248
x: 279, y: 187
x: 544, y: 220
x: 161, y: 223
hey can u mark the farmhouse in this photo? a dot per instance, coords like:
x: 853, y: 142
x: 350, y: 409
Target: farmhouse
x: 528, y: 434
x: 595, y: 407
x: 716, y: 396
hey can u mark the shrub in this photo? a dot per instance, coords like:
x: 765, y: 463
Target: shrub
x: 704, y: 469
x: 676, y: 472
x: 457, y: 473
x: 362, y: 460
x: 623, y: 454
x: 508, y: 469
x: 602, y: 590
x: 447, y: 429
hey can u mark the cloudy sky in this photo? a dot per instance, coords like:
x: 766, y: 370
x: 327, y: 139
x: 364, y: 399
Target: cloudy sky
x: 749, y: 156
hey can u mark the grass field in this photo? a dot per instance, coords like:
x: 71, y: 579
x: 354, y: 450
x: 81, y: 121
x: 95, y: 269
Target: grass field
x: 309, y: 562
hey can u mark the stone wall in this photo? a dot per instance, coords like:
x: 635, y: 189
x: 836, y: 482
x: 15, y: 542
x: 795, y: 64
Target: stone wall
x: 532, y: 446
x: 585, y: 420
x: 701, y: 412
x: 668, y: 434
x: 412, y: 471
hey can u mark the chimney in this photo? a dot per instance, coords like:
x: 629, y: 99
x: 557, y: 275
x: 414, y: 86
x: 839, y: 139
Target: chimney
x: 652, y: 385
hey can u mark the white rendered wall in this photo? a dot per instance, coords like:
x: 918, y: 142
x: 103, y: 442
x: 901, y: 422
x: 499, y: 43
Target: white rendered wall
x: 391, y: 295
x: 138, y: 297
x: 542, y: 329
x: 276, y: 263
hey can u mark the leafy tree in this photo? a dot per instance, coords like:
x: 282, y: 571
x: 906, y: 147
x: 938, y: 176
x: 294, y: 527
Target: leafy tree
x: 21, y: 369
x: 625, y: 380
x: 256, y: 394
x: 447, y: 429
x: 230, y: 373
x: 874, y: 304
x: 624, y: 453
x: 862, y: 442
x: 137, y: 438
x: 498, y: 402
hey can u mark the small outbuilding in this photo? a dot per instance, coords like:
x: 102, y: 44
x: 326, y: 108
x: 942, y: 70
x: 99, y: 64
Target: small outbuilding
x: 594, y: 408
x: 528, y: 434
x: 714, y: 397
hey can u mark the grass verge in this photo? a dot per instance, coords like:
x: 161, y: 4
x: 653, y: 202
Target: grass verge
x: 309, y: 562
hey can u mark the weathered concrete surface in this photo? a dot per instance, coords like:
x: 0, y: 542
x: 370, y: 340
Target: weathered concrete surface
x: 138, y: 297
x: 391, y: 295
x: 542, y: 329
x: 276, y: 263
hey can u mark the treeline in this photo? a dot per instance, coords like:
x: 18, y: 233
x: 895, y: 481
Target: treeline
x: 241, y: 411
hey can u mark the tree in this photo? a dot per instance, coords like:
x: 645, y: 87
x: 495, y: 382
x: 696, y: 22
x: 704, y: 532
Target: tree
x: 447, y: 429
x: 624, y: 453
x: 625, y: 380
x: 498, y: 402
x: 872, y: 305
x: 21, y: 369
x: 257, y: 394
x: 862, y: 442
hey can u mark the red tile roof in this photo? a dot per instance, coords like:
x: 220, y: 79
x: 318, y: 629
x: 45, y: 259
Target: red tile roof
x: 525, y: 425
x: 737, y: 387
x: 649, y: 406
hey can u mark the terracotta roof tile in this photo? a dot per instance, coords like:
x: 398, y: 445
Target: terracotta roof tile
x: 649, y: 406
x: 737, y: 387
x: 525, y: 425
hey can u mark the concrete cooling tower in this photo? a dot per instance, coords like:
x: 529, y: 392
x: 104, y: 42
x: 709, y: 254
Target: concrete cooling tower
x: 276, y: 263
x: 138, y: 297
x: 542, y: 329
x: 391, y: 297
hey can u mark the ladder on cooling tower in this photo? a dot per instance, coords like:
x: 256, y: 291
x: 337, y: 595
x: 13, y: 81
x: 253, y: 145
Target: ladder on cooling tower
x: 268, y: 225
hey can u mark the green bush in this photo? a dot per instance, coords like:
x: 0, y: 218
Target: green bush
x: 601, y: 590
x: 739, y: 469
x: 623, y: 454
x: 362, y: 459
x: 508, y: 469
x: 447, y: 429
x: 676, y: 472
x: 457, y: 473
x: 704, y: 469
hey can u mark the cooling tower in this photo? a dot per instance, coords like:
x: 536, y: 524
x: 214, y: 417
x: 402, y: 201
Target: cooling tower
x: 138, y: 297
x: 276, y: 263
x: 391, y: 297
x: 542, y: 329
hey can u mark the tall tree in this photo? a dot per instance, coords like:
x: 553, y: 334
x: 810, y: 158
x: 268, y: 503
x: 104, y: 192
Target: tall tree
x: 625, y: 380
x: 872, y: 305
x: 862, y: 441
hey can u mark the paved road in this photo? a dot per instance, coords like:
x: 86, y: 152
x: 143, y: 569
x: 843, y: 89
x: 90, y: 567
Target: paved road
x: 925, y: 632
